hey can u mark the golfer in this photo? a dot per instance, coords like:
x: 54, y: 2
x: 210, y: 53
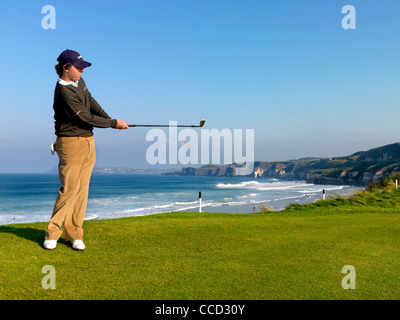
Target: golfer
x: 76, y: 112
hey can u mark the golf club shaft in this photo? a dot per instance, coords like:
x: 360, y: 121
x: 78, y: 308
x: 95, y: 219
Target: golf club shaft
x: 162, y: 125
x: 167, y: 125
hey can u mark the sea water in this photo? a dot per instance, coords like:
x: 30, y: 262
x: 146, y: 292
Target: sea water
x: 31, y: 197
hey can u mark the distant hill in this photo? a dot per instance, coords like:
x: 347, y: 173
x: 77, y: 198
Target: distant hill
x: 390, y: 152
x: 360, y: 168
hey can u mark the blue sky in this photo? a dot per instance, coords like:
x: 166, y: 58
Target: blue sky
x: 286, y: 69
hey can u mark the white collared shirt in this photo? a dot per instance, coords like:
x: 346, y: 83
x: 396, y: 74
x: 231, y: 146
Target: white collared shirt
x: 65, y: 83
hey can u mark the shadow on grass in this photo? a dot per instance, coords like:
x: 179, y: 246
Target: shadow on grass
x: 31, y: 234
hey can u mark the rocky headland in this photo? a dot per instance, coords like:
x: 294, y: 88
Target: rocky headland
x: 360, y: 168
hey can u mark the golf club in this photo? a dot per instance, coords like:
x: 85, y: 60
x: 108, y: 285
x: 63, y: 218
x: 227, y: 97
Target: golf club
x: 167, y: 125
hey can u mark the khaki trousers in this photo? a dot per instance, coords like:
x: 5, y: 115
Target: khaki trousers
x: 77, y: 156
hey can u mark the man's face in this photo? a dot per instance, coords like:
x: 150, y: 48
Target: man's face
x: 74, y: 73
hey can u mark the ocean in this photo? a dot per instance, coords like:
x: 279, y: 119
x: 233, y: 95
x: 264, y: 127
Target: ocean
x: 30, y: 197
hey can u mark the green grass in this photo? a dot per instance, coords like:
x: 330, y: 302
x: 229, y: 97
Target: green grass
x: 297, y: 253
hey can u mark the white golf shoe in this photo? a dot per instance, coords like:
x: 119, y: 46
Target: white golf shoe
x: 50, y: 244
x: 78, y: 245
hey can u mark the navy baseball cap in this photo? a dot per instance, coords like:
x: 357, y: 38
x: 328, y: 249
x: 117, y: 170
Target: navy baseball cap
x: 74, y: 58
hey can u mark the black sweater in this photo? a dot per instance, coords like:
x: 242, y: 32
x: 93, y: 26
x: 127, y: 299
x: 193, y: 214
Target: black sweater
x: 76, y: 112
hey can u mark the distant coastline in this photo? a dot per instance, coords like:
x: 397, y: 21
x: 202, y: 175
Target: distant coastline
x: 360, y: 168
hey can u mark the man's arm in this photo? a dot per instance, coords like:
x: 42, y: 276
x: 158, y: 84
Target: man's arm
x: 77, y: 110
x: 96, y: 109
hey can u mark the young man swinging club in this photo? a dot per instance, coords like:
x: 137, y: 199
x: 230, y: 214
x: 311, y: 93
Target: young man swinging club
x: 76, y: 112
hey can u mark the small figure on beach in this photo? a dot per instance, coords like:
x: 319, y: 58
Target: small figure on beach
x: 76, y: 113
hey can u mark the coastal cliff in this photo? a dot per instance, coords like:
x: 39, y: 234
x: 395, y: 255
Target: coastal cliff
x: 360, y: 168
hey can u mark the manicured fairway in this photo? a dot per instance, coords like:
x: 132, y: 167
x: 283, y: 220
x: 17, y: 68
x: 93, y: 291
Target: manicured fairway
x: 295, y: 254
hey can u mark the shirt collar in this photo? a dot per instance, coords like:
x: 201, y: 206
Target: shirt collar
x: 65, y: 83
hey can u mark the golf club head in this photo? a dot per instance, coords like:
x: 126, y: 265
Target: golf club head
x: 202, y: 123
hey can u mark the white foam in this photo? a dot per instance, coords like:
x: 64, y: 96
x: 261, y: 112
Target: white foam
x: 162, y: 206
x: 249, y: 195
x: 246, y: 184
x: 185, y: 203
x: 321, y: 189
x: 263, y: 186
x: 91, y: 217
